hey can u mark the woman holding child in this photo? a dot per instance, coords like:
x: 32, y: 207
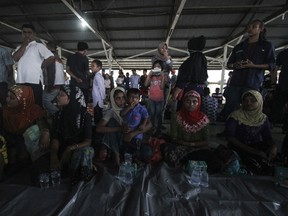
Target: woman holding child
x: 113, y: 128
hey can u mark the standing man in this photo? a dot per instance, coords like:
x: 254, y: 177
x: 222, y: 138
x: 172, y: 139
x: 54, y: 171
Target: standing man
x: 78, y: 69
x: 143, y: 88
x: 6, y: 71
x: 32, y: 57
x: 280, y: 97
x: 134, y: 78
x: 127, y: 81
x: 249, y: 60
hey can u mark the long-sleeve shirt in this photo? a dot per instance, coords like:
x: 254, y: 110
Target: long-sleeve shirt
x: 98, y: 91
x: 261, y: 53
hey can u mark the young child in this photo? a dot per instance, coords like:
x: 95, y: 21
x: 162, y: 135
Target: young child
x: 135, y: 117
x: 98, y: 90
x: 156, y: 82
x: 107, y: 83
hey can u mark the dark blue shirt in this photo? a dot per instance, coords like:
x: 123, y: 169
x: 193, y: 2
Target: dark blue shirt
x: 260, y: 53
x: 135, y: 116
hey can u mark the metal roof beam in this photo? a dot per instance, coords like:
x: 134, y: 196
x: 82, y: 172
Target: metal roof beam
x: 98, y: 35
x: 174, y: 22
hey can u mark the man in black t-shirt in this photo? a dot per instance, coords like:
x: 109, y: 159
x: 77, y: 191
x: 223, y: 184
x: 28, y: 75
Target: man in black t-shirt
x: 78, y: 68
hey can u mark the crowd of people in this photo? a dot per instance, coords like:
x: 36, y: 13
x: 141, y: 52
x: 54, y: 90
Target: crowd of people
x: 43, y: 115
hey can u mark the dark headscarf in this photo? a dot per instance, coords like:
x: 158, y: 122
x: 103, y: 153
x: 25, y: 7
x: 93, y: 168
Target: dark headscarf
x: 69, y: 121
x: 196, y: 43
x: 194, y: 69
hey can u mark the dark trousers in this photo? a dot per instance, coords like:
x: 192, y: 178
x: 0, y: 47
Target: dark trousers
x: 280, y: 98
x: 3, y: 93
x: 97, y: 137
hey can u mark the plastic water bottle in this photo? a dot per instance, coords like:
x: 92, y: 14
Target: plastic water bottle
x: 128, y: 158
x: 204, y: 179
x: 195, y: 176
x: 126, y: 173
x: 126, y: 169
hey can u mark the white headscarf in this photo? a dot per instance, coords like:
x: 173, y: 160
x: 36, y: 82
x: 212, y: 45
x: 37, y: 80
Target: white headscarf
x: 251, y: 118
x: 114, y: 106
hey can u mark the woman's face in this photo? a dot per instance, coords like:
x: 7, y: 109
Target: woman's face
x: 254, y: 28
x: 249, y: 103
x: 164, y: 49
x: 12, y: 100
x: 62, y: 99
x: 190, y: 103
x: 120, y: 99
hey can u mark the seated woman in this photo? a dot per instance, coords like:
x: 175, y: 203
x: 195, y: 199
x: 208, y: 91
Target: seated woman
x: 24, y: 127
x: 111, y: 125
x: 248, y: 133
x: 71, y: 135
x: 190, y: 134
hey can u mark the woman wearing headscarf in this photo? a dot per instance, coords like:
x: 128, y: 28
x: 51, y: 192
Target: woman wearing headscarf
x: 248, y: 133
x: 71, y: 135
x: 111, y: 125
x: 23, y: 123
x: 192, y: 74
x: 191, y: 124
x: 190, y: 135
x: 167, y: 63
x: 162, y: 55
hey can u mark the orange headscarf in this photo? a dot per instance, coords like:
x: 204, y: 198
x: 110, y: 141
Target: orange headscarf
x: 17, y: 119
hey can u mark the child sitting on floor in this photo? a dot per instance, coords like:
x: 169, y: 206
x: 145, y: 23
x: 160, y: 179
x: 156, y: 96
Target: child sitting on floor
x: 135, y: 117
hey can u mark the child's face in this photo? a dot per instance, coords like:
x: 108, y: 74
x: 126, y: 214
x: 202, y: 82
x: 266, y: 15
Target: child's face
x: 94, y: 67
x: 157, y: 65
x: 133, y: 99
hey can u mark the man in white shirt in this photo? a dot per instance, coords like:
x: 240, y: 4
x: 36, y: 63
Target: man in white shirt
x: 31, y: 57
x: 98, y: 90
x: 134, y: 79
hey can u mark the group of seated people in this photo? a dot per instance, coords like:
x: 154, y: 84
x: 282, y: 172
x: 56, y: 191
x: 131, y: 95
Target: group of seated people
x: 67, y: 143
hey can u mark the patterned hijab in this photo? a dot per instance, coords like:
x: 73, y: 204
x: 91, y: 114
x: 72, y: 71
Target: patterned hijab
x: 251, y: 118
x: 69, y: 121
x: 17, y: 119
x: 192, y: 121
x: 114, y: 107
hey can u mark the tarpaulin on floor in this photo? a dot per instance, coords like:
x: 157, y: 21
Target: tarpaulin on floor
x: 157, y: 190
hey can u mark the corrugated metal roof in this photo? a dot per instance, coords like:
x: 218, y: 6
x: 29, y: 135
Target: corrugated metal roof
x: 132, y: 30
